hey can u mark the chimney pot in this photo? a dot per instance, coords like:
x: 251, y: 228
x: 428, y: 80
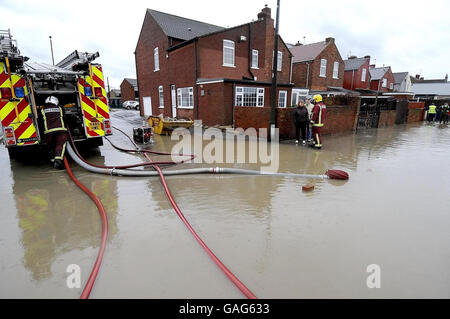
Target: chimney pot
x: 367, y: 57
x: 329, y: 39
x: 418, y: 76
x: 266, y: 13
x: 352, y: 57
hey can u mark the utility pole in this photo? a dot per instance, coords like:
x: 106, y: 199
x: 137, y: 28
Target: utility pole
x: 51, y: 48
x: 273, y: 113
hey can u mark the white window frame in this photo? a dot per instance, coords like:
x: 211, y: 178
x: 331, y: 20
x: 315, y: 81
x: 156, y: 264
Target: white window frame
x: 255, y: 59
x: 190, y: 98
x: 282, y: 92
x: 391, y: 86
x: 323, y: 68
x: 336, y: 70
x: 156, y: 59
x: 364, y: 75
x: 161, y: 96
x: 300, y: 93
x: 384, y: 83
x: 240, y: 96
x: 280, y: 61
x: 229, y: 45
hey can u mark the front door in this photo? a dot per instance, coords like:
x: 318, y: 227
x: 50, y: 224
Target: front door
x: 147, y: 106
x: 174, y: 101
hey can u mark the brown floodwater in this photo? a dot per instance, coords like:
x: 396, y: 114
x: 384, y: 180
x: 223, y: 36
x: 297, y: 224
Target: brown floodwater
x: 278, y: 240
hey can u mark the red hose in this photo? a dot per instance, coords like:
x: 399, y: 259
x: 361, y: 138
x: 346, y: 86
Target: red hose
x: 90, y: 283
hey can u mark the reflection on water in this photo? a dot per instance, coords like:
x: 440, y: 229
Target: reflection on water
x: 281, y: 242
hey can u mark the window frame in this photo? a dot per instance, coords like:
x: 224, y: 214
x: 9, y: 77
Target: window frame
x: 156, y: 59
x: 323, y: 66
x: 190, y: 98
x: 279, y: 61
x: 285, y: 93
x: 253, y: 59
x: 384, y: 83
x: 336, y: 70
x: 161, y: 96
x: 240, y: 94
x: 364, y: 75
x: 229, y: 47
x: 391, y: 86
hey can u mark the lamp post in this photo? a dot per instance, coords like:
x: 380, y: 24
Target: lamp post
x: 273, y: 113
x: 51, y: 49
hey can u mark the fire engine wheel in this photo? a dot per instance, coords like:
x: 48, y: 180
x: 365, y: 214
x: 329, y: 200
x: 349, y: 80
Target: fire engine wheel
x: 13, y: 152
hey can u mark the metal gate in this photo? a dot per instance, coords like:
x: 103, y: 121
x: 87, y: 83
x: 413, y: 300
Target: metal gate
x: 370, y: 110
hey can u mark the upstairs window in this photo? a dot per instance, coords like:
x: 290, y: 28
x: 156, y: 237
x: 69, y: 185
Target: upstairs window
x: 249, y: 96
x: 364, y: 75
x: 391, y: 86
x: 323, y: 68
x: 156, y: 58
x: 228, y: 53
x: 384, y: 83
x: 186, y: 98
x: 255, y: 58
x: 280, y: 61
x: 282, y: 99
x: 161, y: 97
x: 336, y: 70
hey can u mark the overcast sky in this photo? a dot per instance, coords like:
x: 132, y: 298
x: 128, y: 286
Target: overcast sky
x: 410, y: 35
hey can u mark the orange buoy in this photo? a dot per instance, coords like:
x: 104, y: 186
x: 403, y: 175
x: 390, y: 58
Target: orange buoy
x: 308, y: 188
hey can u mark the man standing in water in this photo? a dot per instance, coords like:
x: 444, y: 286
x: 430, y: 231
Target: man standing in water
x: 317, y: 120
x: 301, y: 121
x: 55, y: 131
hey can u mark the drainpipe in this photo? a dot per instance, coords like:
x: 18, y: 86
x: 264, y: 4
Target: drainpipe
x: 290, y: 75
x: 141, y: 105
x: 196, y: 79
x: 250, y: 54
x: 307, y: 76
x: 353, y: 78
x: 233, y: 98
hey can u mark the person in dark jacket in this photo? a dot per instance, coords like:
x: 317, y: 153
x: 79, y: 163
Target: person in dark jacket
x: 301, y: 120
x: 55, y: 130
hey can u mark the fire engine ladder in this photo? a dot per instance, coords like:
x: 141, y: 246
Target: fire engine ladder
x: 8, y: 46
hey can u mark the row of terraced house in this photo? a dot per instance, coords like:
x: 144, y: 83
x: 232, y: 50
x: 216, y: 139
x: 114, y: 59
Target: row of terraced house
x: 186, y: 68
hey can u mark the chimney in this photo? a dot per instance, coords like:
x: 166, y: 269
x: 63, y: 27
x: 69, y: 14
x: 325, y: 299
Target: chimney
x: 329, y: 40
x: 266, y: 13
x: 298, y: 44
x: 367, y: 57
x: 352, y: 57
x: 418, y: 76
x: 446, y: 77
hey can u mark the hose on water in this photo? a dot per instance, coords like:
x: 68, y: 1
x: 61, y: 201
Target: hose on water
x: 90, y: 283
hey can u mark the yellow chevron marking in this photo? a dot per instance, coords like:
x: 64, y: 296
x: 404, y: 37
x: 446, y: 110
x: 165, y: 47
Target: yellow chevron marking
x: 4, y: 112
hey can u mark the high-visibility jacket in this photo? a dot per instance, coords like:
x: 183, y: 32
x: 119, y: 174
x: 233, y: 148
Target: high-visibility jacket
x: 432, y: 109
x: 318, y: 117
x: 53, y: 119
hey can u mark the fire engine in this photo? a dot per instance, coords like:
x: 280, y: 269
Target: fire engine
x: 76, y: 81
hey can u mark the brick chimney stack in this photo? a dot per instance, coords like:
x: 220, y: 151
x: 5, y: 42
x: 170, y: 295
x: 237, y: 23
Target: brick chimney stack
x: 329, y: 40
x: 266, y: 13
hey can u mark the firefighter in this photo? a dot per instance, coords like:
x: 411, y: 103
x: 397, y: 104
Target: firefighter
x: 444, y: 115
x: 431, y: 113
x: 55, y: 131
x: 317, y: 120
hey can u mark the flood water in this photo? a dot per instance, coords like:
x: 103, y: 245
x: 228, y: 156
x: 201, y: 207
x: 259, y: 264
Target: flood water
x: 278, y: 240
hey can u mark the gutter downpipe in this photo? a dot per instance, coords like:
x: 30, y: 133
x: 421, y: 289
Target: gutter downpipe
x: 196, y: 79
x: 353, y: 78
x: 307, y: 75
x: 250, y: 56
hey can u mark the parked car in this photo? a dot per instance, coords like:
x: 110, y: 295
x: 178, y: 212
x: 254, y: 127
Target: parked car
x: 131, y: 105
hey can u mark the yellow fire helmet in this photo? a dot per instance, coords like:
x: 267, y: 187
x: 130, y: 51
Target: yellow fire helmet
x: 317, y: 98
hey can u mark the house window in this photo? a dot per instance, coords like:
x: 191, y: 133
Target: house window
x: 391, y: 86
x: 323, y: 68
x: 249, y: 96
x: 336, y: 70
x: 384, y: 83
x: 282, y: 99
x: 280, y: 61
x: 228, y: 53
x: 363, y: 76
x: 255, y: 54
x: 186, y: 98
x: 161, y: 97
x: 156, y: 56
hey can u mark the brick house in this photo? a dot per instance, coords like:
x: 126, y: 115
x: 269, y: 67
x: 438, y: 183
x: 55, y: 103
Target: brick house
x: 382, y: 79
x: 187, y: 68
x: 357, y: 73
x: 129, y: 90
x: 317, y: 66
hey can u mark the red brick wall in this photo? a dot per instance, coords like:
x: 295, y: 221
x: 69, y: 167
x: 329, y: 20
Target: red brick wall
x: 331, y: 54
x: 355, y: 78
x: 339, y: 118
x: 416, y: 112
x: 127, y: 91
